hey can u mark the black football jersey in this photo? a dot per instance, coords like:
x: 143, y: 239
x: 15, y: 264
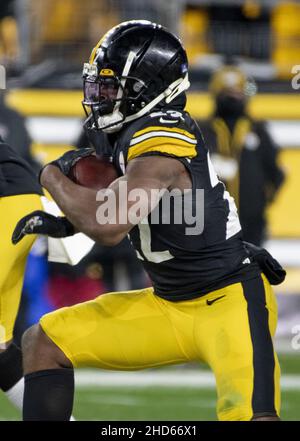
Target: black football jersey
x: 184, y: 265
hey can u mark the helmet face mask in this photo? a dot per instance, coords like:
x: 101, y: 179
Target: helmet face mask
x: 104, y: 97
x: 136, y: 66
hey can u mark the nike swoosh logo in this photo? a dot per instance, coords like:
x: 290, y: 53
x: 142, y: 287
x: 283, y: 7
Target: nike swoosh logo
x: 210, y: 302
x: 168, y: 121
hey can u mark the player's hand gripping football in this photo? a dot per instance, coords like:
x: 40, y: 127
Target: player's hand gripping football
x: 39, y: 222
x: 69, y: 159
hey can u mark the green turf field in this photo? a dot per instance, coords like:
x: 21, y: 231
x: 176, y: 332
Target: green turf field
x: 162, y: 403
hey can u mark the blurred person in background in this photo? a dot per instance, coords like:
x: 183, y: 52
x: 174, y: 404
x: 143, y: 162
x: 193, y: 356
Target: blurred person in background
x: 9, y: 46
x: 242, y: 151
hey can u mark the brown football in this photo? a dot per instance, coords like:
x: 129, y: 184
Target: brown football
x: 93, y: 172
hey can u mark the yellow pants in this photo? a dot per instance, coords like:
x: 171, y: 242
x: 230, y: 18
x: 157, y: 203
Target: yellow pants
x: 230, y: 329
x: 13, y: 258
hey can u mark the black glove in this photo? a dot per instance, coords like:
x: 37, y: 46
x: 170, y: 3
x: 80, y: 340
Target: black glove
x: 39, y: 222
x: 268, y: 265
x: 66, y: 161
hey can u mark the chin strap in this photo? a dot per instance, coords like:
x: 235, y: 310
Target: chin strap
x: 129, y: 61
x: 177, y: 89
x: 112, y: 122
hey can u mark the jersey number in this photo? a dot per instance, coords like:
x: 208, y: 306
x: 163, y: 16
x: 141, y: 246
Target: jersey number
x: 145, y: 238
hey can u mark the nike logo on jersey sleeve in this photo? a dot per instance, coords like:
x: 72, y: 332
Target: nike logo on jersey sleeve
x: 168, y: 121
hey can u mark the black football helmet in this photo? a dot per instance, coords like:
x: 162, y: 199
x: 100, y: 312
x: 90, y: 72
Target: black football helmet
x: 135, y: 67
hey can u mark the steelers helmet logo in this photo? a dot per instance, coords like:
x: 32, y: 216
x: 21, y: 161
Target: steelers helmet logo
x: 107, y: 73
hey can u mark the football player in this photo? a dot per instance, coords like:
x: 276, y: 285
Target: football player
x: 209, y: 301
x: 19, y: 194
